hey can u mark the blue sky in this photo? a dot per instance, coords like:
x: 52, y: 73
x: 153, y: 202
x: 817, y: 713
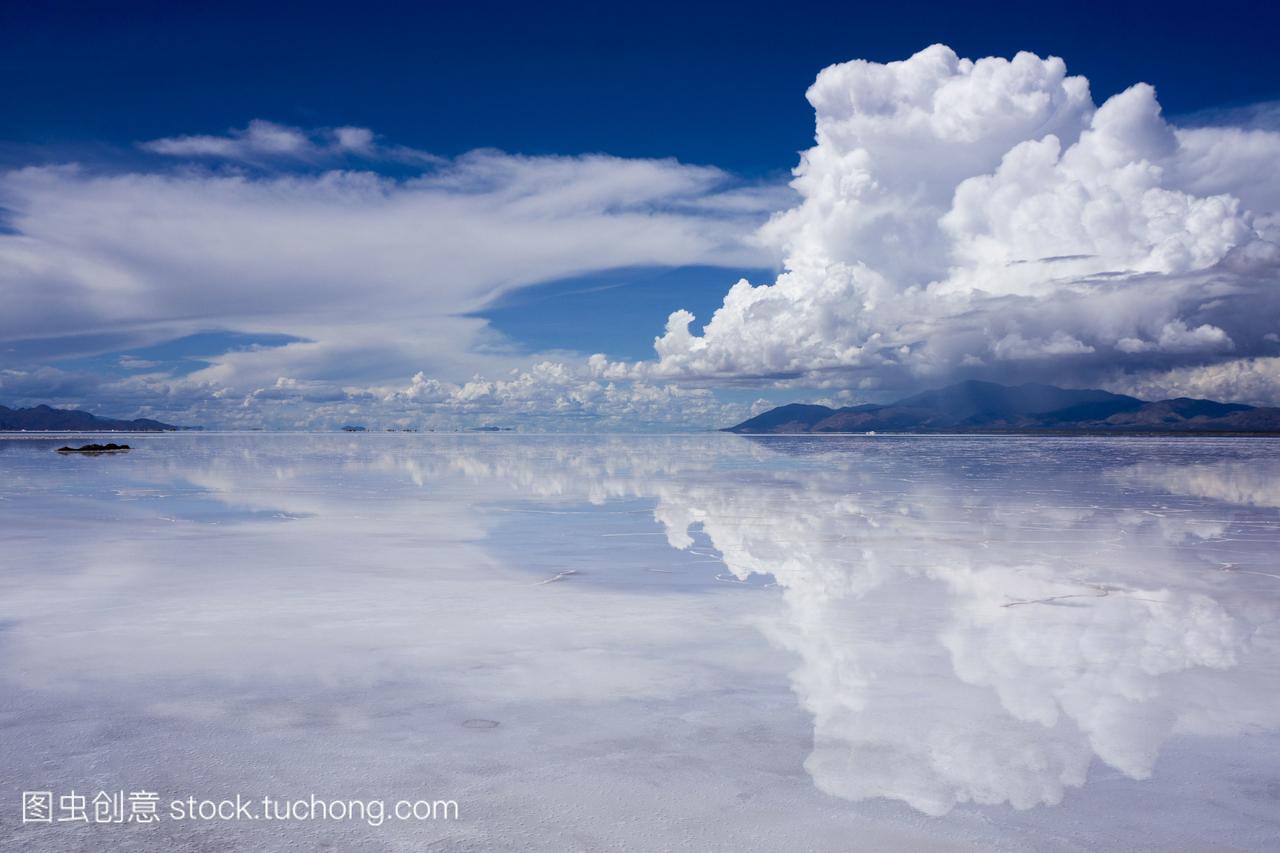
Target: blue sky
x: 144, y: 144
x: 703, y: 82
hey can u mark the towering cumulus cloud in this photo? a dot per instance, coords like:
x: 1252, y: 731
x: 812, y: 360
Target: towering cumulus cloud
x: 986, y: 218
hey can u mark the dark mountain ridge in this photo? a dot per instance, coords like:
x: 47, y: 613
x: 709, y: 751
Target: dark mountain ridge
x: 48, y: 419
x: 975, y: 406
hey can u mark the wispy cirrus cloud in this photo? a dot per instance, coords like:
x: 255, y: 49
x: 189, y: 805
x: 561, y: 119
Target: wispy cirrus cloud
x: 264, y: 141
x: 94, y: 250
x: 371, y: 277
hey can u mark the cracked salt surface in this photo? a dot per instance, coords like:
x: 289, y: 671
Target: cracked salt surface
x: 749, y: 644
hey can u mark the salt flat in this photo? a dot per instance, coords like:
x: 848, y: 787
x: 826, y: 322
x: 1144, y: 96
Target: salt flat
x: 700, y: 642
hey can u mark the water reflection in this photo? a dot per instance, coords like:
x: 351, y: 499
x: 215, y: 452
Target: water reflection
x: 976, y: 623
x: 961, y: 643
x: 966, y: 620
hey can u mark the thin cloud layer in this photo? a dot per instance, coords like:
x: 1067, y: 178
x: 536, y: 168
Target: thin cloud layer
x: 375, y: 274
x: 985, y: 218
x: 264, y: 141
x: 95, y: 251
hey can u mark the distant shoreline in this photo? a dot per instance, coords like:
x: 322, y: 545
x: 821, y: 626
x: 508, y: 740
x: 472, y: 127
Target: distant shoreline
x: 881, y: 433
x: 1019, y: 433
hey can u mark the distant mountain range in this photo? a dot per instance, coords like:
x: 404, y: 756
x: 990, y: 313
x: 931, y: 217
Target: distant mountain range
x: 47, y: 419
x: 988, y: 407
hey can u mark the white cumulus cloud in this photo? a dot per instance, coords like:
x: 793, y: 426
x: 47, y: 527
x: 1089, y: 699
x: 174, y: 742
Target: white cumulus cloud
x: 985, y: 217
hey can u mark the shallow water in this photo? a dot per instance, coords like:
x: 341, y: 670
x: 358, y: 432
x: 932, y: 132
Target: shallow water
x: 696, y: 643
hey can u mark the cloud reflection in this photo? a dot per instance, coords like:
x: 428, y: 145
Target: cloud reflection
x: 970, y: 621
x: 966, y: 639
